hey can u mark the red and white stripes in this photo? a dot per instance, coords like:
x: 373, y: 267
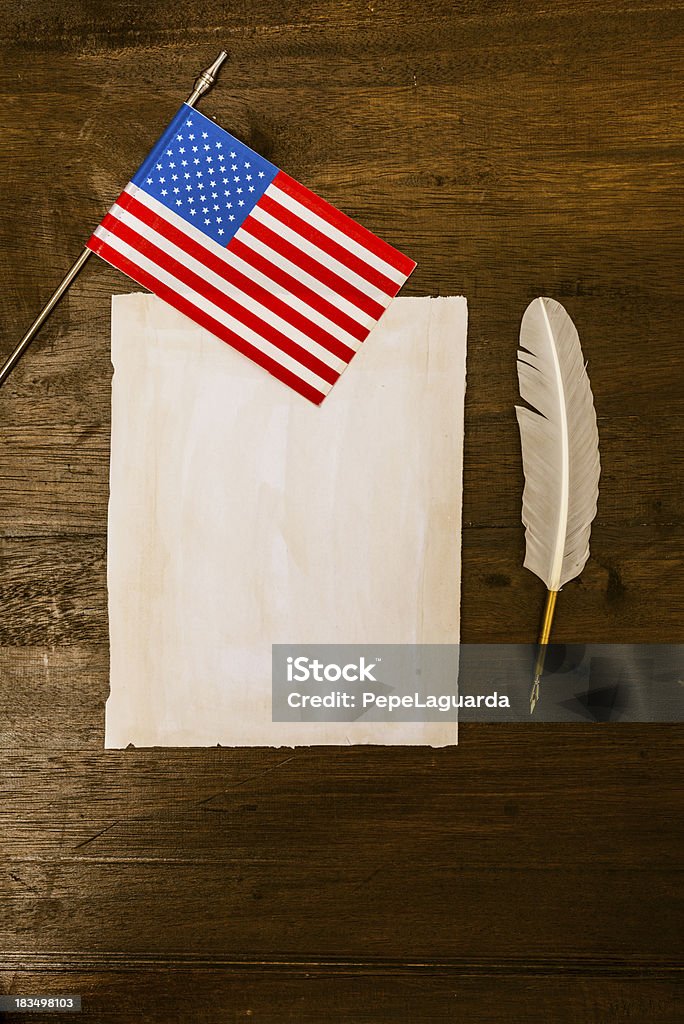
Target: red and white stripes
x: 297, y: 288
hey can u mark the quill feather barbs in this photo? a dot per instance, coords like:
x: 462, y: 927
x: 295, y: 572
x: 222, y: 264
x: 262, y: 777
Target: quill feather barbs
x: 559, y: 444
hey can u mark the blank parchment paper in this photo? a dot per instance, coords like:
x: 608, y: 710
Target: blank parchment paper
x: 241, y: 515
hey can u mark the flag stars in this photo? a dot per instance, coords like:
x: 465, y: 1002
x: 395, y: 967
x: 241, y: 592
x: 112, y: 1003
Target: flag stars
x: 207, y: 179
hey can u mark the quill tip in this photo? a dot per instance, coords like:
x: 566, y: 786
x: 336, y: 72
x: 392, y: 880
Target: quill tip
x: 534, y: 694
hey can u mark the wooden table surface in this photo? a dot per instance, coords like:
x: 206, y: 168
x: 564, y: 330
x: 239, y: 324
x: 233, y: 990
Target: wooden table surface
x: 529, y: 875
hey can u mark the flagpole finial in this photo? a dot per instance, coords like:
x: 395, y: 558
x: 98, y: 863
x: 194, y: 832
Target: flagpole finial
x: 206, y: 79
x: 203, y: 83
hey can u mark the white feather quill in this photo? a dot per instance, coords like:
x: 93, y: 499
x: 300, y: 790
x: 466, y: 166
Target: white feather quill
x: 559, y: 449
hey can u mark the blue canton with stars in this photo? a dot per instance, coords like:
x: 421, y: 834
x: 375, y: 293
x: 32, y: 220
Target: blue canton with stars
x: 204, y: 175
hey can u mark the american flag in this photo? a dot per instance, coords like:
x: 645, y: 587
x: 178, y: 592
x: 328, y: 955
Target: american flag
x: 247, y: 252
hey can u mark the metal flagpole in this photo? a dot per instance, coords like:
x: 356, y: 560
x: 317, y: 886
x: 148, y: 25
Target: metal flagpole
x: 203, y: 83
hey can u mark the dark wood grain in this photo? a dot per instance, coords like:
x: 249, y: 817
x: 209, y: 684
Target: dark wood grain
x: 530, y: 874
x: 343, y: 995
x: 296, y: 857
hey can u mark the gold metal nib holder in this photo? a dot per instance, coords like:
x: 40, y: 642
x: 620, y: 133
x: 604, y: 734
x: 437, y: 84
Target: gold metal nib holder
x: 542, y: 644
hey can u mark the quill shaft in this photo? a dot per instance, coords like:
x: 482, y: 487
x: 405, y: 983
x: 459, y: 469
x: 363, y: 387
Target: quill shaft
x: 564, y: 455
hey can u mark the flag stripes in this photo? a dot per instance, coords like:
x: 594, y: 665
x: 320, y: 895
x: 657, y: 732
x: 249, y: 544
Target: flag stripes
x: 297, y: 287
x: 302, y: 254
x: 335, y: 319
x: 345, y: 230
x: 226, y: 285
x: 288, y: 217
x: 216, y: 300
x: 277, y: 367
x: 231, y: 266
